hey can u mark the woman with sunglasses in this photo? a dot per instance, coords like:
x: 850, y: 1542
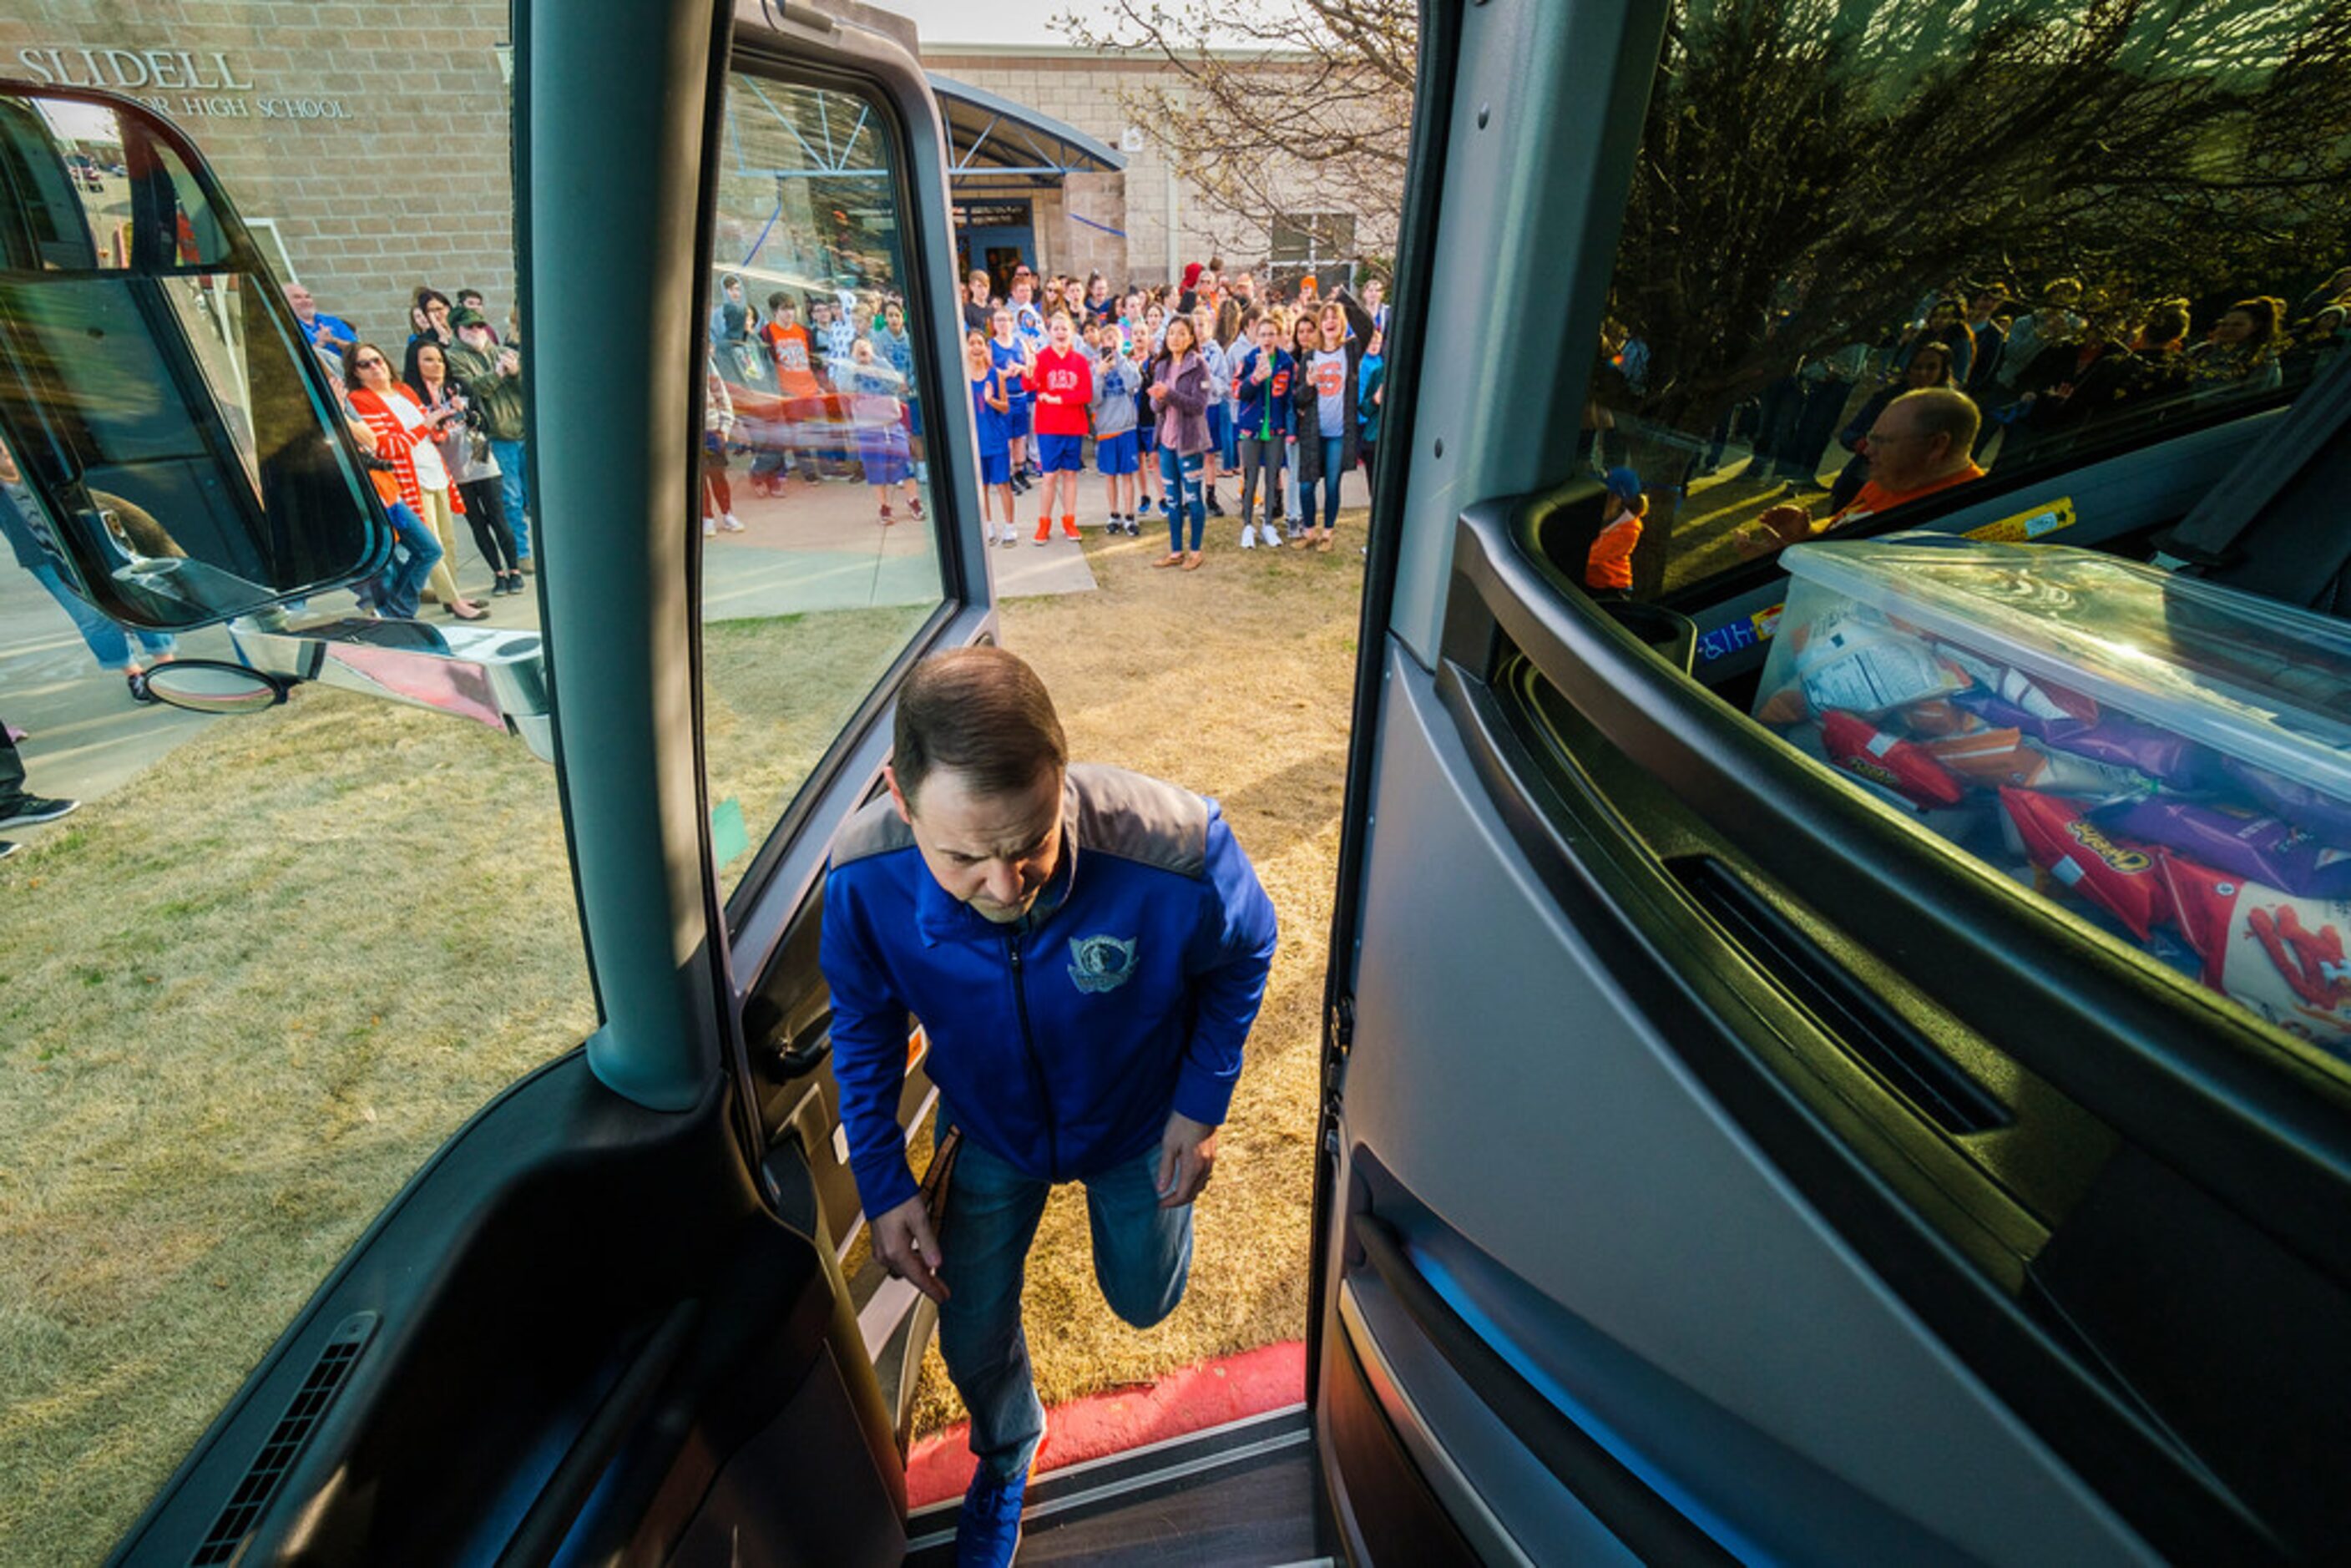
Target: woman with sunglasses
x: 404, y: 436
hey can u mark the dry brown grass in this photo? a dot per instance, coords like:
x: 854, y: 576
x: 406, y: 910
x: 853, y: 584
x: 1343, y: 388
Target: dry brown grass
x: 1235, y: 681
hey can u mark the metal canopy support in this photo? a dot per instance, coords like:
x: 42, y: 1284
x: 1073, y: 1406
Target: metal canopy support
x: 993, y: 138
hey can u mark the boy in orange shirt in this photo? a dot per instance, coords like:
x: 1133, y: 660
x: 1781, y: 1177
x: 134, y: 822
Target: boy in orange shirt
x: 1608, y: 570
x: 788, y: 345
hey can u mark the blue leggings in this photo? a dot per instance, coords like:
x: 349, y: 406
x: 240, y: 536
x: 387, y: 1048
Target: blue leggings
x: 1334, y: 448
x: 1181, y: 473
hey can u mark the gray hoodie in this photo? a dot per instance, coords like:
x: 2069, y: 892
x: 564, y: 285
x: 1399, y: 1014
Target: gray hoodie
x: 1116, y: 381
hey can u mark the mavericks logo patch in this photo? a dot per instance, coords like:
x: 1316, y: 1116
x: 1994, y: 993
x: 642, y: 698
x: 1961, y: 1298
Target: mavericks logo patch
x: 1100, y: 963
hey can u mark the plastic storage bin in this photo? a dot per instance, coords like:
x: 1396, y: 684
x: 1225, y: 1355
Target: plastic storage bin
x: 2167, y: 758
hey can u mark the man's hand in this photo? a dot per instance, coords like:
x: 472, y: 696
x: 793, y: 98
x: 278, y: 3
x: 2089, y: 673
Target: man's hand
x: 1188, y: 1153
x: 903, y: 1241
x: 1774, y: 529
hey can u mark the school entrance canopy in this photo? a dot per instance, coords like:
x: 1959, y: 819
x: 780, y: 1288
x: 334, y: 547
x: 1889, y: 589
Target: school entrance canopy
x: 995, y: 139
x: 1008, y: 165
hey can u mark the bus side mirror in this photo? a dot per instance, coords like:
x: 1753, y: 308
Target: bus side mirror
x: 171, y: 439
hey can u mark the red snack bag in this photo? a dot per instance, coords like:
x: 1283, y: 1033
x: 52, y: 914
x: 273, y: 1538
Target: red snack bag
x: 1940, y: 715
x: 2118, y: 876
x: 1991, y: 756
x: 2279, y: 957
x: 1883, y: 757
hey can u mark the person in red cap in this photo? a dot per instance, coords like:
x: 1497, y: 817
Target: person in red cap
x: 1190, y: 297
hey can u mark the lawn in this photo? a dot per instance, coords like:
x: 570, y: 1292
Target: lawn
x: 245, y: 995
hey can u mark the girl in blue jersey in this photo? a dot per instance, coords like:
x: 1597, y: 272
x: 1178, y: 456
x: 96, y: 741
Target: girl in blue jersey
x: 1015, y: 364
x: 989, y: 406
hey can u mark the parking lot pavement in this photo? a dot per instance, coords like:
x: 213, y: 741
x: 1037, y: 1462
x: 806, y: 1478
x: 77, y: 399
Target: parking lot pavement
x: 85, y: 736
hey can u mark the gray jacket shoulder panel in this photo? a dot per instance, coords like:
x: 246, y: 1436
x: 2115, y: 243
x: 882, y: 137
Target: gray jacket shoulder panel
x: 876, y: 830
x: 1138, y: 817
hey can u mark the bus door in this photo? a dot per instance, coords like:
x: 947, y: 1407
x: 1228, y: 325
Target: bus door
x: 1717, y: 1163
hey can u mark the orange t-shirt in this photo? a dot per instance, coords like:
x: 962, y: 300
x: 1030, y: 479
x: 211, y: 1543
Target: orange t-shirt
x: 794, y: 374
x: 1876, y: 499
x: 1610, y: 564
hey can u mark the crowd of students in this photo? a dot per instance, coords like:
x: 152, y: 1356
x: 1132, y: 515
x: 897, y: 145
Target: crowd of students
x: 1174, y: 389
x: 1164, y: 392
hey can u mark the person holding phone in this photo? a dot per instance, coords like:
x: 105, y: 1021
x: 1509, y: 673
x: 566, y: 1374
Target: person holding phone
x: 468, y: 457
x: 405, y: 436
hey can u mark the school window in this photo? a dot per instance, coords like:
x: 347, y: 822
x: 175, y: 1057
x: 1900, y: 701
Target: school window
x: 1317, y: 244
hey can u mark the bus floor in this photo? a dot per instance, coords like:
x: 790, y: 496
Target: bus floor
x: 1241, y: 1495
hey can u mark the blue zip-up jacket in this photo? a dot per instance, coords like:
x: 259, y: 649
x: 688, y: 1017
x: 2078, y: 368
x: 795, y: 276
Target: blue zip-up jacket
x: 1062, y: 1043
x: 1264, y: 409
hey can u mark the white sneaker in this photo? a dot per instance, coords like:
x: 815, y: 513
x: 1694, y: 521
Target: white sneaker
x: 708, y: 527
x: 731, y: 523
x: 1249, y: 536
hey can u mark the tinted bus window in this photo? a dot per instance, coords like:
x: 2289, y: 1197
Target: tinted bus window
x: 2077, y: 230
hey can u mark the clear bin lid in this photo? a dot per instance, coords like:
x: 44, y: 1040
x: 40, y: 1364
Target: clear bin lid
x: 2249, y: 676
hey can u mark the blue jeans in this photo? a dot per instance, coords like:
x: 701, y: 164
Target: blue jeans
x: 513, y: 489
x: 1334, y: 450
x: 403, y: 580
x: 1143, y: 1256
x: 109, y: 643
x: 1182, y: 476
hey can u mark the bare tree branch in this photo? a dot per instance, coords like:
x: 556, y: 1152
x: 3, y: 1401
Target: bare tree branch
x: 1271, y: 101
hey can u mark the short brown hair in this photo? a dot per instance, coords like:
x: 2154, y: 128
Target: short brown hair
x: 982, y: 712
x: 1944, y: 411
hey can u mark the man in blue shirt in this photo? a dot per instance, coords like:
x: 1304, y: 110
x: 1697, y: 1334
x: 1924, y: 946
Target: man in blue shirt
x: 330, y: 334
x: 1086, y: 949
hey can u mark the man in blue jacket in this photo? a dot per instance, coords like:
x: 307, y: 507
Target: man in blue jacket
x: 1086, y: 948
